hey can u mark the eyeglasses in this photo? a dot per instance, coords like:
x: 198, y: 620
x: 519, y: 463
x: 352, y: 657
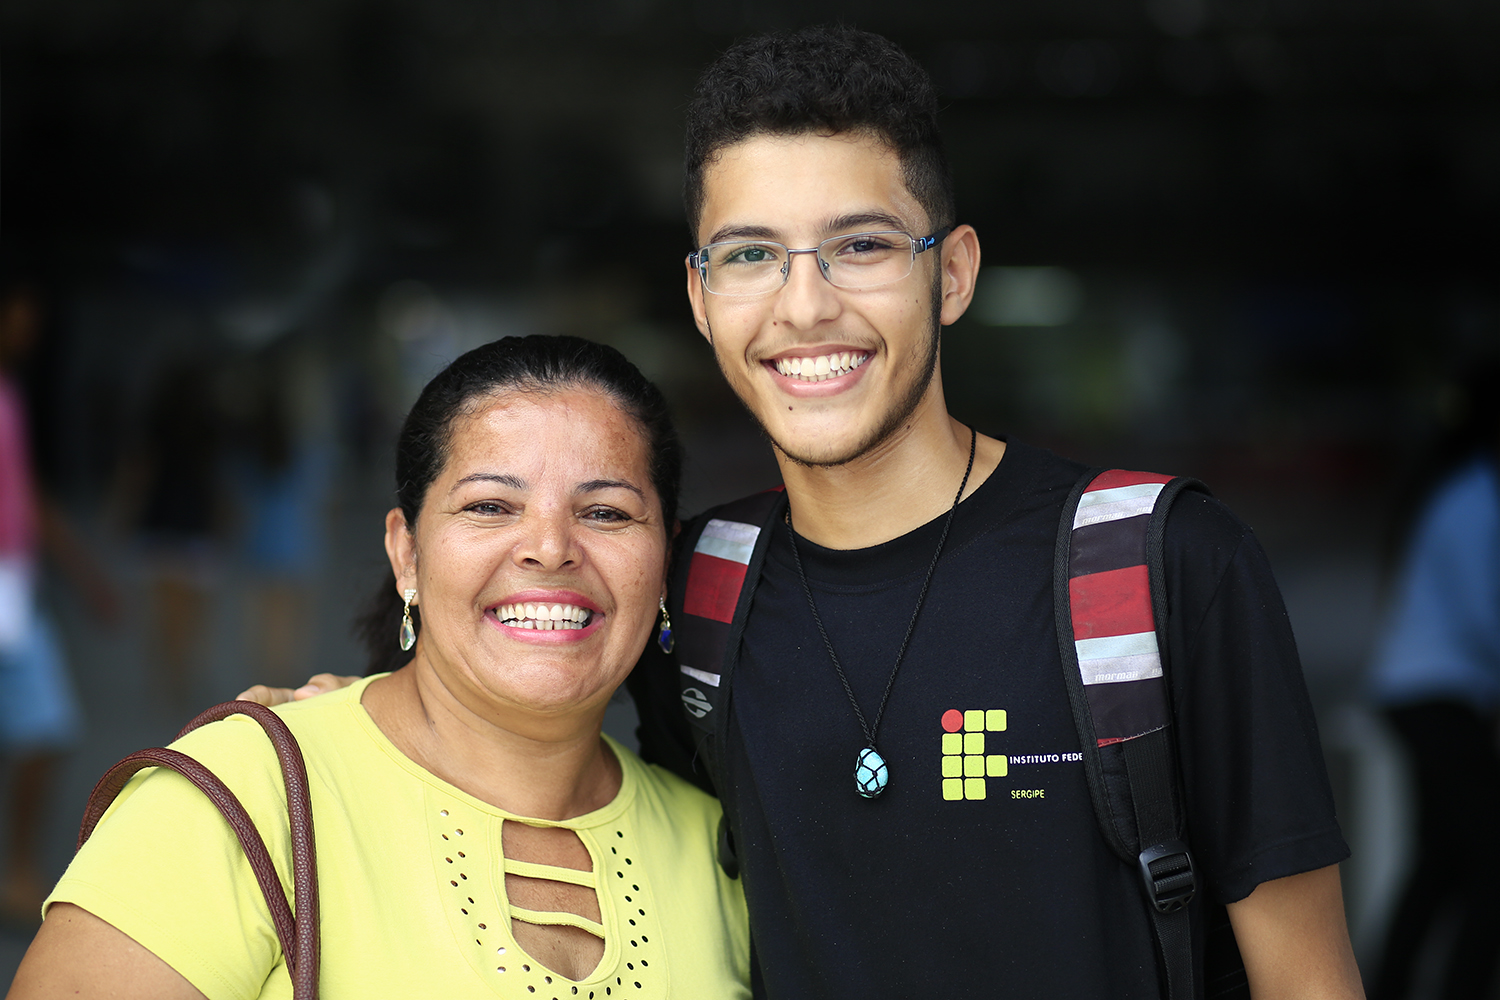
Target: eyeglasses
x: 859, y: 260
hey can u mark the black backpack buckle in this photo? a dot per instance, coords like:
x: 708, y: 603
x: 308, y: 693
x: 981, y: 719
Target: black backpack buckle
x: 1167, y: 873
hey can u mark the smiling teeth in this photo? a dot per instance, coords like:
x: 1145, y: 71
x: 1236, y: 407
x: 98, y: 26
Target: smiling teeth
x: 823, y: 367
x: 546, y: 617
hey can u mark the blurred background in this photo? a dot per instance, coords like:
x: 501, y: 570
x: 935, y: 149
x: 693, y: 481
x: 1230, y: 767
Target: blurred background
x: 1248, y: 240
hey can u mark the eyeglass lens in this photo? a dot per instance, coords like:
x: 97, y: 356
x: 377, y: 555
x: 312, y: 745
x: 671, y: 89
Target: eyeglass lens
x: 859, y: 260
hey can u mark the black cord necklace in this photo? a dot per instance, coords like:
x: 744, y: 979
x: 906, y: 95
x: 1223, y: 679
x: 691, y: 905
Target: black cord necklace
x: 870, y: 769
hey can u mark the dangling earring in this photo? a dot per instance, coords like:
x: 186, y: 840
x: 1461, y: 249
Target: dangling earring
x: 664, y: 637
x: 407, y: 635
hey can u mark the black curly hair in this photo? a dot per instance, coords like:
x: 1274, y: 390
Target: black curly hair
x: 826, y: 79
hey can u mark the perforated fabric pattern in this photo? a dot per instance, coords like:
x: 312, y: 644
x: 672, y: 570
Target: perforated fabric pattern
x: 469, y: 858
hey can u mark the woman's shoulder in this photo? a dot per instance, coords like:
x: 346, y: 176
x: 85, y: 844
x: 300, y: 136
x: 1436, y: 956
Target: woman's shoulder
x: 238, y: 750
x: 657, y: 787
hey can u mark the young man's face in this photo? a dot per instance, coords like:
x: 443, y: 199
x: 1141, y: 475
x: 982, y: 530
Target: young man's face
x: 799, y: 190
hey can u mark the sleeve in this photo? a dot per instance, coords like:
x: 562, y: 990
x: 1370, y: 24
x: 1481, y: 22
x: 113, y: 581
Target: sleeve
x: 1259, y: 804
x: 164, y: 867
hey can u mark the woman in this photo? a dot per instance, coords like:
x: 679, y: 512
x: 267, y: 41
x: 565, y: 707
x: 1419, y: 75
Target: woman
x: 476, y: 834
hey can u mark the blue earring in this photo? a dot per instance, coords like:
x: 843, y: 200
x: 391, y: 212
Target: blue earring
x: 664, y: 637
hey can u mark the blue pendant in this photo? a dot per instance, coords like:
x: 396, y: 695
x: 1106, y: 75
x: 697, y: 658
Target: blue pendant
x: 664, y: 639
x: 870, y: 773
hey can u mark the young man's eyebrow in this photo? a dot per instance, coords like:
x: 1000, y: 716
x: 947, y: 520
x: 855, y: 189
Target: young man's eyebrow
x: 867, y: 222
x: 743, y: 233
x: 851, y: 222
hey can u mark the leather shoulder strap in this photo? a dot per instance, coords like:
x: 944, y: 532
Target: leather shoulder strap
x: 297, y: 933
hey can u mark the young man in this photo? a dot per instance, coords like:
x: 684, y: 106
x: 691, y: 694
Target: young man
x: 886, y: 609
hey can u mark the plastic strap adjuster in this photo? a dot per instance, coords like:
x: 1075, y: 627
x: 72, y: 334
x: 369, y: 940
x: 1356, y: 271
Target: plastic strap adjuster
x: 1167, y: 872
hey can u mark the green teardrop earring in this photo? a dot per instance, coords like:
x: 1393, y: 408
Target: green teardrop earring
x: 407, y: 635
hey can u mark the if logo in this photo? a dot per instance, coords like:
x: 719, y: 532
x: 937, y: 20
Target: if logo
x: 965, y: 762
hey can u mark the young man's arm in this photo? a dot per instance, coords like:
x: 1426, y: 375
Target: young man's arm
x: 1294, y: 939
x: 316, y: 685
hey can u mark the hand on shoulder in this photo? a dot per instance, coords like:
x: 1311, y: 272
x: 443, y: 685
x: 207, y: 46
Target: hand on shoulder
x: 316, y: 685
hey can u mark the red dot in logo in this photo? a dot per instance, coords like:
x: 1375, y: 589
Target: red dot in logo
x: 953, y: 720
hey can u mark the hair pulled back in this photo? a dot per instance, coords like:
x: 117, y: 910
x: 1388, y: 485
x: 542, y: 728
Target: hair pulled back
x: 534, y: 364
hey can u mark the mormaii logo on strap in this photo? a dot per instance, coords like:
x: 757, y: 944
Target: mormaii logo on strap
x: 694, y: 701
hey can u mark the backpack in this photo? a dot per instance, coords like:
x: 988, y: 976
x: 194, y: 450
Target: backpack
x: 1110, y: 601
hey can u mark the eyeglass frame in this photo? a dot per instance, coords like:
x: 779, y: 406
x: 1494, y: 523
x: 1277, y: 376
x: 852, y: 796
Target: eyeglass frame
x: 919, y: 244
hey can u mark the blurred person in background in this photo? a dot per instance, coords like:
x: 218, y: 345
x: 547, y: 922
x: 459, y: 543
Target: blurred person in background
x: 281, y: 477
x: 173, y: 499
x: 1436, y: 674
x: 39, y: 715
x: 477, y: 835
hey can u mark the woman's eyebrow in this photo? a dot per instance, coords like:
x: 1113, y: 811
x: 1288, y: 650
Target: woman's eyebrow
x: 595, y: 485
x: 503, y: 479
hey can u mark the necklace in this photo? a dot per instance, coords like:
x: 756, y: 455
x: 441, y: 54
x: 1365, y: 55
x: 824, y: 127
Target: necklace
x: 871, y: 773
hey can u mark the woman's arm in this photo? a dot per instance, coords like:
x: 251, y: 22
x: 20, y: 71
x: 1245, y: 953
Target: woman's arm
x: 76, y: 954
x: 1294, y: 940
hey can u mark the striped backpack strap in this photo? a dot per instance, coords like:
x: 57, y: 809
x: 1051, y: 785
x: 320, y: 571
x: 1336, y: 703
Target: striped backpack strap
x: 711, y: 594
x: 1110, y: 598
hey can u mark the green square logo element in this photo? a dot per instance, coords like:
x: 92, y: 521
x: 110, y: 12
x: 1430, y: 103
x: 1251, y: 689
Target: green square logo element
x: 965, y: 765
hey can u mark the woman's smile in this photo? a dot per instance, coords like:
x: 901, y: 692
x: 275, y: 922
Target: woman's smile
x: 547, y: 616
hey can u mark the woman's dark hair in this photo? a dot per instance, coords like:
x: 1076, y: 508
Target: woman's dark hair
x: 825, y: 78
x: 535, y: 364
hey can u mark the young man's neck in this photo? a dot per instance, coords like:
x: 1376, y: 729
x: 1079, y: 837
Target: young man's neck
x: 900, y: 484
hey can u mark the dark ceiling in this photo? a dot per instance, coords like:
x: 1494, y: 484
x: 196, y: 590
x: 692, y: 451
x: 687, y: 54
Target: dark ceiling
x: 214, y: 139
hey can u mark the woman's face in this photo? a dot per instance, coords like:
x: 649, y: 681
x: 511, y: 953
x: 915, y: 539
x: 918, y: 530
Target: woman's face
x: 539, y: 553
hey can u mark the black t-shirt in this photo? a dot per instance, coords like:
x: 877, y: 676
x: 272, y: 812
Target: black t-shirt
x: 1015, y: 894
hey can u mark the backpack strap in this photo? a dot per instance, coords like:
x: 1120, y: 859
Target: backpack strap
x: 1110, y: 600
x: 711, y: 595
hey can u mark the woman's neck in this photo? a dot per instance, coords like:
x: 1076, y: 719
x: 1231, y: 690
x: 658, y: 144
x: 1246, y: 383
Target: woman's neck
x: 552, y: 768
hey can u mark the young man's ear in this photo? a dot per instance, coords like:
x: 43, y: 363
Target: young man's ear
x: 401, y: 550
x: 960, y: 263
x: 695, y: 298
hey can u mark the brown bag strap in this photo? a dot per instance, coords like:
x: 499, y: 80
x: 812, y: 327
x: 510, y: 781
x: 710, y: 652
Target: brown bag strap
x: 298, y: 934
